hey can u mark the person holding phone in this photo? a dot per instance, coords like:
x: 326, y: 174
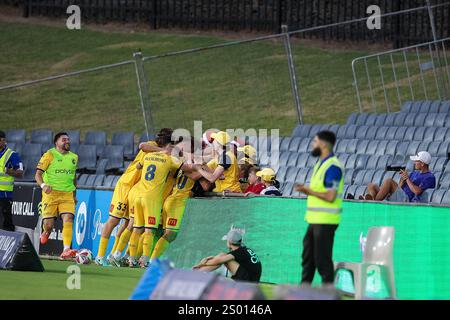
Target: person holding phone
x: 410, y: 187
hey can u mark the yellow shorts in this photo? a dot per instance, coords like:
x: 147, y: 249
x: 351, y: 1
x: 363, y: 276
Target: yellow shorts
x: 57, y: 202
x: 173, y: 212
x: 119, y: 201
x: 131, y: 200
x: 147, y: 212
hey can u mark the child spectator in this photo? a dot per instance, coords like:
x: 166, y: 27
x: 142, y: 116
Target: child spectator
x: 269, y: 179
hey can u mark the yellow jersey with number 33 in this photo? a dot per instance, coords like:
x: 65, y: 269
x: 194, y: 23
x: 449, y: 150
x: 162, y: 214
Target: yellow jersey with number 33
x: 156, y: 167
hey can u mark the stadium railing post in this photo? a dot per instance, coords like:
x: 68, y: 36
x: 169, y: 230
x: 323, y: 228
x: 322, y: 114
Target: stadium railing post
x: 144, y: 94
x: 292, y: 73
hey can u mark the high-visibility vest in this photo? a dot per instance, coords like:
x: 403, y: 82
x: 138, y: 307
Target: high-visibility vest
x: 6, y: 181
x: 319, y: 211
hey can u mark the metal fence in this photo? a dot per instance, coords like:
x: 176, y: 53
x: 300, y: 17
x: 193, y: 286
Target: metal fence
x: 384, y: 81
x: 269, y: 82
x: 259, y: 15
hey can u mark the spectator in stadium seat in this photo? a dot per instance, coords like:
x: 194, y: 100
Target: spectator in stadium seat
x: 268, y: 177
x: 411, y: 186
x: 255, y: 185
x: 223, y: 169
x: 246, y: 160
x: 240, y: 261
x: 10, y: 167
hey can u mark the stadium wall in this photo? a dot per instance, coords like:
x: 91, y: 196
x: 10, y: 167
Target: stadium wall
x: 274, y: 229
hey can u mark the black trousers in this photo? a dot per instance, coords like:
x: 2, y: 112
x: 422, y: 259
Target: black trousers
x: 318, y: 252
x: 6, y: 211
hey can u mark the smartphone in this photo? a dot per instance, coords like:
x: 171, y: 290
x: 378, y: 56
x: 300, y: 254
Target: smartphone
x: 395, y: 168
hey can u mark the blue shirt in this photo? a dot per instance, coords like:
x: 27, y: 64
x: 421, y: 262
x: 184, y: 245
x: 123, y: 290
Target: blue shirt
x: 422, y: 180
x: 13, y: 162
x: 333, y: 175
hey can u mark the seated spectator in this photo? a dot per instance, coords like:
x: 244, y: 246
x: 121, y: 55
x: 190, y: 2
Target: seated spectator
x: 246, y: 161
x: 411, y: 186
x: 268, y: 177
x: 255, y: 185
x: 241, y: 261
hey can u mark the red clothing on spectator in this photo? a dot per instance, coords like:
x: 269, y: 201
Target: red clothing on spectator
x: 255, y: 188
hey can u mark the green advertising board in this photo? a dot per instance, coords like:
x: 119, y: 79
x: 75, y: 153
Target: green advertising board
x: 275, y: 228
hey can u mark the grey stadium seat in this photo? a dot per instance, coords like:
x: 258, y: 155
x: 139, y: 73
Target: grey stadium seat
x: 301, y: 130
x: 438, y: 164
x: 17, y: 136
x: 409, y: 120
x: 445, y: 107
x: 343, y: 158
x: 314, y: 130
x: 442, y: 134
x: 400, y: 119
x: 99, y: 180
x: 351, y: 190
x: 398, y: 160
x: 81, y: 181
x: 87, y: 157
x: 42, y: 136
x: 444, y: 149
x: 383, y: 161
x: 419, y: 134
x: 353, y: 118
x: 361, y: 119
x: 362, y: 146
x: 302, y: 175
x: 341, y: 146
x: 96, y: 138
x: 440, y: 121
x: 372, y: 147
x: 420, y: 119
x: 46, y: 147
x: 435, y: 106
x: 406, y: 107
x: 291, y: 174
x: 447, y: 121
x: 381, y: 149
x: 90, y: 180
x: 113, y: 185
x: 361, y: 161
x: 429, y: 134
x: 391, y: 147
x: 292, y: 160
x: 402, y: 147
x: 288, y: 189
x: 351, y: 161
x: 334, y: 128
x: 144, y: 138
x: 371, y: 119
x: 359, y: 177
x: 372, y: 162
x: 380, y: 119
x: 350, y: 133
x: 284, y: 143
x: 31, y: 150
x: 284, y: 157
x: 302, y: 160
x: 348, y: 176
x: 305, y: 145
x: 424, y: 146
x: 390, y: 119
x: 438, y: 195
x: 371, y: 133
x: 447, y: 167
x: 444, y: 182
x: 409, y: 134
x: 125, y: 139
x: 390, y: 134
x: 311, y: 162
x: 16, y: 146
x: 295, y: 144
x: 281, y: 173
x: 352, y: 146
x: 74, y: 136
x: 361, y: 132
x: 108, y: 181
x: 114, y: 154
x: 412, y: 148
x: 378, y: 177
x: 430, y: 119
x: 433, y: 148
x: 340, y: 134
x: 381, y: 133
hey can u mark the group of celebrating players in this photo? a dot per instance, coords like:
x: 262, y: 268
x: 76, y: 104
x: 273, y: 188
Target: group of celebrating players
x: 151, y: 195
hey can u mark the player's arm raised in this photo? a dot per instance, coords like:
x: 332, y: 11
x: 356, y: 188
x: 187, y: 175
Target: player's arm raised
x: 148, y: 147
x: 208, y: 175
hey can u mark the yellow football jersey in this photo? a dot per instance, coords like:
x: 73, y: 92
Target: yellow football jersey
x: 169, y: 184
x: 132, y: 175
x: 156, y: 167
x: 230, y: 180
x: 183, y: 186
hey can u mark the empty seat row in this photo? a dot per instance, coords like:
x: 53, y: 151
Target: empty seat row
x: 400, y: 119
x: 97, y: 180
x: 426, y: 106
x: 97, y: 138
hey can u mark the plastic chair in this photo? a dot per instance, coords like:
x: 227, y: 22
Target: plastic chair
x: 43, y: 136
x: 305, y: 145
x: 437, y: 196
x: 301, y: 130
x: 114, y: 154
x: 378, y: 256
x: 74, y: 136
x: 31, y: 150
x: 87, y: 157
x: 96, y: 138
x: 125, y: 139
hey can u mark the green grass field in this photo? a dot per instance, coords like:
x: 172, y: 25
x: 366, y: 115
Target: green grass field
x: 96, y: 282
x: 243, y: 86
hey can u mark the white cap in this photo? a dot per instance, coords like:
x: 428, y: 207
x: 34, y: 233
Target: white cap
x: 422, y: 156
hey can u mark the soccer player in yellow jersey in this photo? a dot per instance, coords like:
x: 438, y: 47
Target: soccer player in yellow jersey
x: 119, y: 203
x: 222, y: 170
x: 175, y: 204
x: 55, y: 175
x: 148, y: 203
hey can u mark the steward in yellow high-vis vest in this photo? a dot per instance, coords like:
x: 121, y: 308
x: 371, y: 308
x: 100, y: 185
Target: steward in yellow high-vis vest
x: 10, y: 167
x: 56, y: 175
x: 323, y: 209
